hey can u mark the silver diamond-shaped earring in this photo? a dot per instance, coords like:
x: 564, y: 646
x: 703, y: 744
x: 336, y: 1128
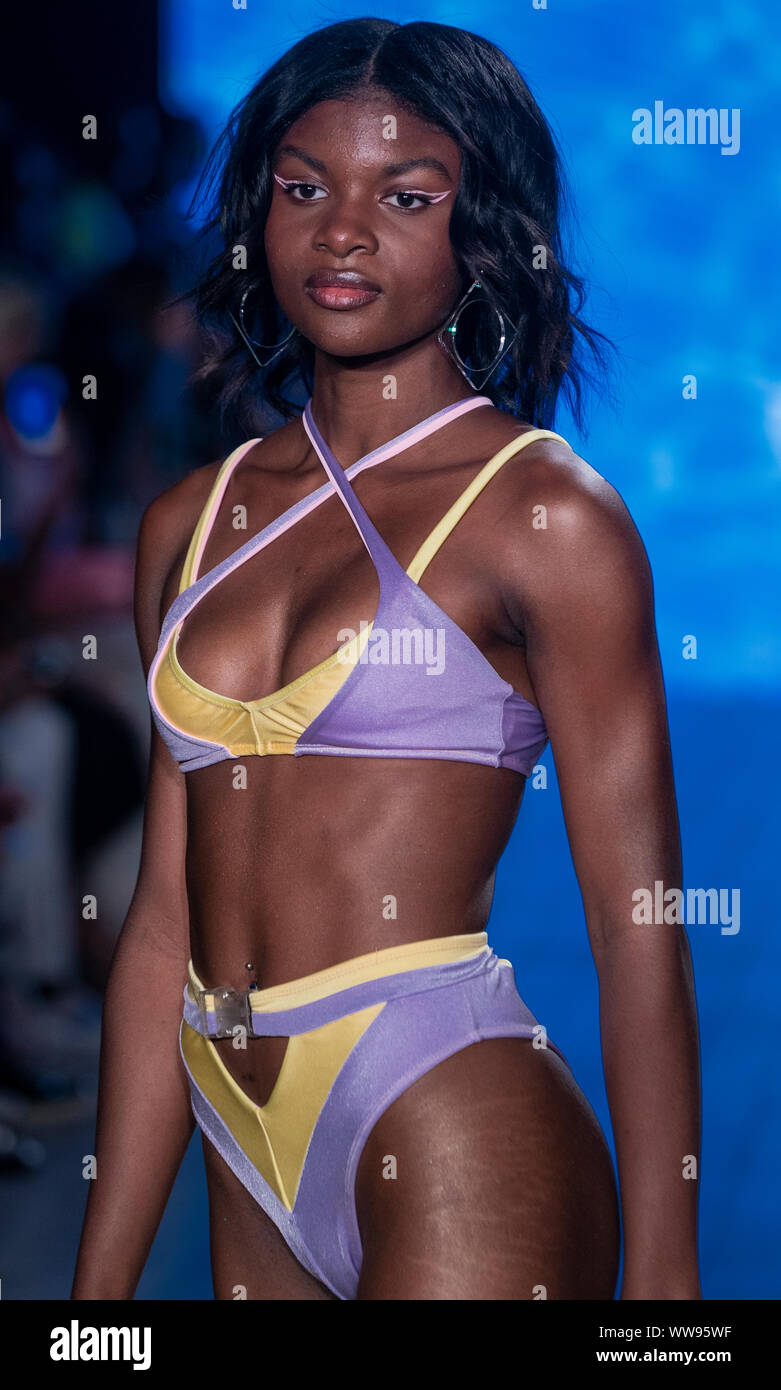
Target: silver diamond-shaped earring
x: 446, y: 337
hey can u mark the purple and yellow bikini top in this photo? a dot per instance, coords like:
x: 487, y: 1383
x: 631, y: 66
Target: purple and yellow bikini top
x: 410, y: 684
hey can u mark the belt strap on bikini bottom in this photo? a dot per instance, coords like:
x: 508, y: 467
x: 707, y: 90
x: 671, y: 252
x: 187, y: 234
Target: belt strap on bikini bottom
x: 300, y: 1005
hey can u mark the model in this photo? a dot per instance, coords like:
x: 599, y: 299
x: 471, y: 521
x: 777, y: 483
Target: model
x: 360, y: 631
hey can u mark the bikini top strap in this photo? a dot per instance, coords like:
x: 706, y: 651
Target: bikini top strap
x: 432, y: 543
x: 206, y: 520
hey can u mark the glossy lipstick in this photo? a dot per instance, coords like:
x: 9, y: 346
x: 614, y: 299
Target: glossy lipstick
x: 340, y: 289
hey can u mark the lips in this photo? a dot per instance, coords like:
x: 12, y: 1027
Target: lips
x: 350, y: 279
x: 340, y: 289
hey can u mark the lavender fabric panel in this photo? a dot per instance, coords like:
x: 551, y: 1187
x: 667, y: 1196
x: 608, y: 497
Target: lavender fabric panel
x: 192, y: 1014
x: 284, y: 1023
x: 524, y: 735
x: 409, y: 1037
x: 186, y: 749
x: 401, y: 704
x: 406, y: 1039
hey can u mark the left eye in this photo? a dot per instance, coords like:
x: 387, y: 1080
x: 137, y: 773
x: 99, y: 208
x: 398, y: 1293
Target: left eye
x: 406, y: 206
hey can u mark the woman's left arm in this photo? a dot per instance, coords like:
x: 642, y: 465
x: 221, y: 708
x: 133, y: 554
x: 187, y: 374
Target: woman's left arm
x: 578, y: 586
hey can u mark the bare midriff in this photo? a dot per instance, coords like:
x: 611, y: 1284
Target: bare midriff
x: 295, y: 864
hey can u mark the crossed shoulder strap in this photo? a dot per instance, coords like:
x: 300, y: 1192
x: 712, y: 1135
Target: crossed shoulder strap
x: 427, y: 550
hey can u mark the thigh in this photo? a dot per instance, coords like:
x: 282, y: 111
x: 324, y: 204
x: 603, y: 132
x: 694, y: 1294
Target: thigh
x: 247, y: 1250
x: 503, y: 1185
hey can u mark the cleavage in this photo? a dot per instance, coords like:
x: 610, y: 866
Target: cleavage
x: 281, y: 612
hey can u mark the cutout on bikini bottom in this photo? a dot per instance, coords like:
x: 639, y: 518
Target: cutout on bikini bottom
x: 256, y: 1068
x: 275, y: 1136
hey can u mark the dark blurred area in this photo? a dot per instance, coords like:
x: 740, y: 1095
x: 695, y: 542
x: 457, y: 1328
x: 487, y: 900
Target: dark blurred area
x: 97, y: 417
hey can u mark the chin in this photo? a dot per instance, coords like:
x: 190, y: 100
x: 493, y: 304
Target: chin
x: 349, y: 345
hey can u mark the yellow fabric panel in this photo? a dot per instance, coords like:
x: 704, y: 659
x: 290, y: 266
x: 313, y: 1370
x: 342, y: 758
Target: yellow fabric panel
x: 275, y: 1136
x: 372, y: 966
x: 272, y: 724
x: 392, y: 960
x: 205, y: 718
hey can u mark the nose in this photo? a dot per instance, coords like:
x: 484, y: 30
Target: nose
x: 345, y: 226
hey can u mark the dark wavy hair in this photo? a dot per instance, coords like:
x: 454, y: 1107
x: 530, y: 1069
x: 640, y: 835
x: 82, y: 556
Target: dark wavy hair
x: 509, y: 205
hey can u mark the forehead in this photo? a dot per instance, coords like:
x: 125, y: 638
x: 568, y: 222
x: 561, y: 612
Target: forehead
x: 371, y: 131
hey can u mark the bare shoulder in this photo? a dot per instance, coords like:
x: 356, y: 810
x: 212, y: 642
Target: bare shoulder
x: 178, y: 505
x: 562, y: 530
x: 550, y: 492
x: 170, y: 519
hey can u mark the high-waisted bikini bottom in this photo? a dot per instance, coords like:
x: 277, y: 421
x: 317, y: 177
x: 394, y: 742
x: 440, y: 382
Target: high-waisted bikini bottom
x: 359, y: 1034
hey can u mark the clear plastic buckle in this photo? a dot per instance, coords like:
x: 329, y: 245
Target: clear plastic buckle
x: 225, y: 1010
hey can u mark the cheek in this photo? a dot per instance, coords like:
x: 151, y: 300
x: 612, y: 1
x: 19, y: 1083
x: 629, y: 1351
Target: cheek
x: 286, y: 235
x: 423, y: 271
x: 278, y: 241
x: 284, y: 259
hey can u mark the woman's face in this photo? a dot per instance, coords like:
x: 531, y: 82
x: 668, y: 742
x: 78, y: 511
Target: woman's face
x: 345, y: 208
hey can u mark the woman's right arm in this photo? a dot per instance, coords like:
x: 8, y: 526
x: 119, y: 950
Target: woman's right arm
x: 144, y: 1120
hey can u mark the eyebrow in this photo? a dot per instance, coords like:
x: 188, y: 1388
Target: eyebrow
x: 400, y: 167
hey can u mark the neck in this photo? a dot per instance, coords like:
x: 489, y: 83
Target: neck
x: 358, y: 407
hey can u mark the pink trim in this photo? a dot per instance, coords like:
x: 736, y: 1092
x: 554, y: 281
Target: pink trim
x: 395, y: 446
x: 421, y: 431
x: 377, y: 456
